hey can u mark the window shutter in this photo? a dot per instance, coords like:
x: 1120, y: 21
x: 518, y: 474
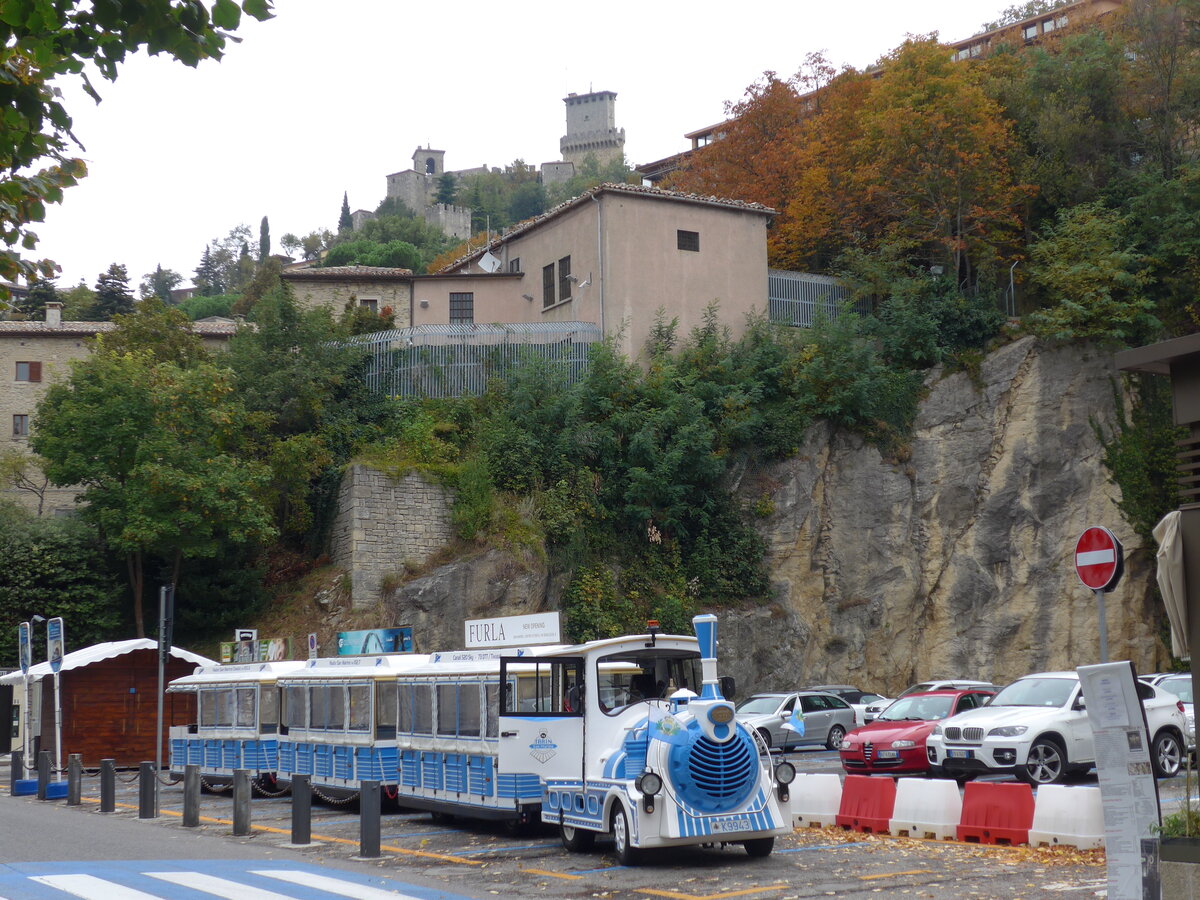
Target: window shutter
x: 35, y: 371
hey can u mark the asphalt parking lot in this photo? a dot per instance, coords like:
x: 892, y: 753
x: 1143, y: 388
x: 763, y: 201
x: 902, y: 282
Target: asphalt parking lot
x: 486, y: 860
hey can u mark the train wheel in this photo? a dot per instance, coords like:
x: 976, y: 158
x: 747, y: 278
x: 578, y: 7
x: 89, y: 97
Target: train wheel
x: 575, y: 839
x: 759, y: 846
x: 627, y: 855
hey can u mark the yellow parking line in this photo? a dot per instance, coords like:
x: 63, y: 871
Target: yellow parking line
x: 894, y: 874
x: 677, y: 895
x: 329, y: 839
x: 550, y: 874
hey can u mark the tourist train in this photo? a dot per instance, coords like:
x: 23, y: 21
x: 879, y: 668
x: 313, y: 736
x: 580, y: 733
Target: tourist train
x: 630, y: 737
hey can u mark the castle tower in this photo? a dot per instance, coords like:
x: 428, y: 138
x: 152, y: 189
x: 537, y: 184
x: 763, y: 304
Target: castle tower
x: 591, y: 128
x: 429, y: 162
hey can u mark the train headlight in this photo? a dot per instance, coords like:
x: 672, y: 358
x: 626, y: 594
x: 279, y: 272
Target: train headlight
x: 648, y: 784
x: 785, y: 773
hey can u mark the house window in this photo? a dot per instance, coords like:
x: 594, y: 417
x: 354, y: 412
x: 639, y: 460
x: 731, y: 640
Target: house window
x: 548, y: 285
x: 21, y: 426
x: 29, y: 371
x: 1047, y: 26
x: 564, y: 279
x: 1030, y: 31
x: 372, y: 305
x: 976, y: 49
x: 688, y: 240
x: 462, y: 308
x: 514, y: 265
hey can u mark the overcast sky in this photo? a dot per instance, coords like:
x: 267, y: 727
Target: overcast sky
x: 332, y: 97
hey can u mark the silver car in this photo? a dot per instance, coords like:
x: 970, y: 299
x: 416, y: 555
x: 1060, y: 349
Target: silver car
x: 827, y: 719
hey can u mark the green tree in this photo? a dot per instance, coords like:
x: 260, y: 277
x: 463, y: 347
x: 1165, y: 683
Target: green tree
x: 78, y: 302
x: 41, y: 292
x: 155, y: 448
x: 290, y: 244
x: 208, y: 275
x: 20, y: 471
x: 46, y: 42
x: 113, y: 296
x: 160, y: 330
x: 345, y: 223
x: 159, y: 283
x: 264, y: 240
x: 447, y: 187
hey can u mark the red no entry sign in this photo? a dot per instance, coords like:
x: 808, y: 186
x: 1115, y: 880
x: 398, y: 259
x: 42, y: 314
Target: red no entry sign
x: 1099, y: 559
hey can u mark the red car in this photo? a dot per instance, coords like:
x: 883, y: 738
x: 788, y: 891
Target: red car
x: 895, y: 742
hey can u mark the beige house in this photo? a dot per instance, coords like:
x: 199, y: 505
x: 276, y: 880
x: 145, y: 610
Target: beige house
x: 340, y: 287
x: 614, y: 256
x: 34, y: 355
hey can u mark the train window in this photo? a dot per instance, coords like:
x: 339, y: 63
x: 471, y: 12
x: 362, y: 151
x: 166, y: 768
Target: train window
x: 337, y: 707
x: 543, y: 687
x: 208, y: 708
x: 360, y: 707
x: 447, y: 709
x: 268, y: 708
x: 245, y: 707
x: 318, y: 716
x: 404, y: 721
x: 493, y: 710
x: 468, y: 710
x: 296, y: 696
x: 626, y: 678
x: 225, y: 707
x: 422, y: 720
x: 385, y: 710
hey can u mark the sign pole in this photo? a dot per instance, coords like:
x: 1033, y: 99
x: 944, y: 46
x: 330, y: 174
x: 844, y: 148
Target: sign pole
x: 1103, y: 627
x: 166, y: 603
x: 1099, y: 563
x: 25, y: 654
x: 55, y: 649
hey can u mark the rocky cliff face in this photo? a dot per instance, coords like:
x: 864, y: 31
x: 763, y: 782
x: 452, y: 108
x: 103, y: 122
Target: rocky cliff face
x: 953, y: 561
x: 959, y: 560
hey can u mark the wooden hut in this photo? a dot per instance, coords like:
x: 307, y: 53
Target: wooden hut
x: 109, y: 700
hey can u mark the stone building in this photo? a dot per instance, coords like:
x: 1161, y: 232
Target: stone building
x: 33, y: 355
x: 417, y: 189
x: 340, y: 287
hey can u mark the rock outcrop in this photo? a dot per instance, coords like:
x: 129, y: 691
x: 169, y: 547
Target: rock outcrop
x: 957, y: 561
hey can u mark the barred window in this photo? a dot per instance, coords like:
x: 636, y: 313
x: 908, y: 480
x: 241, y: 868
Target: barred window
x: 564, y: 279
x: 688, y: 240
x: 462, y: 308
x: 548, y: 285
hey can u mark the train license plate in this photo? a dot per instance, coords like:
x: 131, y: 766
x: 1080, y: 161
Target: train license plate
x: 887, y: 754
x: 731, y: 824
x: 960, y: 754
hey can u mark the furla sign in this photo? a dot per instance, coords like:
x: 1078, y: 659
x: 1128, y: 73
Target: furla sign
x: 513, y: 631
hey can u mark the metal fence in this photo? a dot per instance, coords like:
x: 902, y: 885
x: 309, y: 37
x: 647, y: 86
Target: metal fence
x: 459, y: 360
x: 800, y: 299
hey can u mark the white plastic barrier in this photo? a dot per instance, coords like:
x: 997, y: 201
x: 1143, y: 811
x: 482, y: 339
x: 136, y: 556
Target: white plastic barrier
x: 1067, y: 815
x: 815, y: 800
x: 926, y: 808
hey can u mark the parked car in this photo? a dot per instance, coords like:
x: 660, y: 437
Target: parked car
x: 1037, y: 729
x: 1180, y: 684
x: 858, y: 700
x: 827, y: 718
x: 959, y: 684
x: 895, y: 742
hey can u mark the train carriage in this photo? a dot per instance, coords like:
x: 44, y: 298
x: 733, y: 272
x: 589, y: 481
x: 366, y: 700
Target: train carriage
x: 237, y: 720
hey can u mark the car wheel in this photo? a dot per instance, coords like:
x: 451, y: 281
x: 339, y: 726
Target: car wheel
x: 626, y: 854
x: 766, y: 737
x: 576, y: 839
x: 759, y: 846
x: 1046, y: 763
x: 1166, y: 756
x: 836, y: 735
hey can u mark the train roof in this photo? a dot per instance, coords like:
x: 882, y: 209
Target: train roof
x: 386, y: 665
x: 241, y: 673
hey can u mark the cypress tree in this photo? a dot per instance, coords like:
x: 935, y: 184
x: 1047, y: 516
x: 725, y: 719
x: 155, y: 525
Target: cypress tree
x: 264, y: 240
x: 345, y: 223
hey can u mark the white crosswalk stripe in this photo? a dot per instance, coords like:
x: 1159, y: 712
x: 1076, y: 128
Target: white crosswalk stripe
x: 218, y: 887
x: 332, y: 885
x: 90, y: 887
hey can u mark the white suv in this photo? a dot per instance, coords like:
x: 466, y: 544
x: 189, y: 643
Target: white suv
x: 1037, y: 729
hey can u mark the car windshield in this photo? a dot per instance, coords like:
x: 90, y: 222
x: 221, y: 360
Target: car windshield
x: 868, y: 698
x: 916, y: 689
x: 1180, y: 686
x: 1036, y: 692
x: 632, y: 677
x: 918, y: 708
x: 759, y: 706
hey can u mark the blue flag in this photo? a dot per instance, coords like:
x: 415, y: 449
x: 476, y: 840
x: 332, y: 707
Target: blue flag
x: 795, y: 723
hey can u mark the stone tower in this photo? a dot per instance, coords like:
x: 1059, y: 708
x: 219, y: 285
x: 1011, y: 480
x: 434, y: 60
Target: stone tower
x: 591, y: 128
x: 429, y: 162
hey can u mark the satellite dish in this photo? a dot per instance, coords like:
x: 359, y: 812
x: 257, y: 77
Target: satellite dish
x: 489, y: 263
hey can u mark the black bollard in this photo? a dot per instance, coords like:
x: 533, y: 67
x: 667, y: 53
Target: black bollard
x: 108, y: 785
x: 74, y: 779
x: 368, y: 820
x: 191, y: 796
x: 43, y: 772
x: 301, y: 810
x: 17, y: 771
x: 241, y: 802
x: 147, y: 791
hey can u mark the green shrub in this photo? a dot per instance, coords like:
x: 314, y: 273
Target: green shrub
x: 474, y: 500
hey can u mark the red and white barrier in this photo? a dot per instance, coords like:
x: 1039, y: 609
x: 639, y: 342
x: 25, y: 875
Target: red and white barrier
x: 927, y: 808
x: 1067, y: 816
x: 815, y: 800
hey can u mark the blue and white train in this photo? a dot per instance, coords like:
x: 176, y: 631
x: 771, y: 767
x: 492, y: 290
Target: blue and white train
x: 629, y: 737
